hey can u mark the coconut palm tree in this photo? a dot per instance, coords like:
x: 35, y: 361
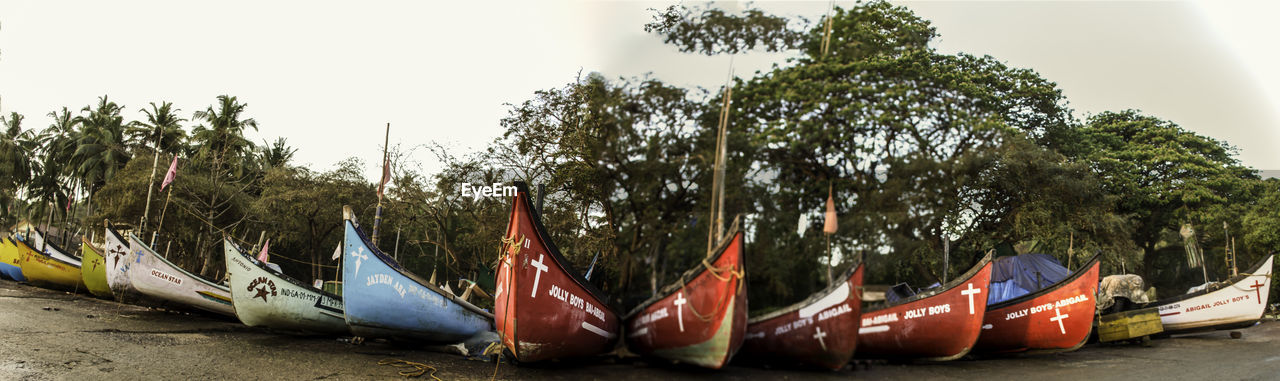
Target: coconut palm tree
x: 16, y: 152
x: 162, y: 132
x: 220, y: 139
x: 162, y: 129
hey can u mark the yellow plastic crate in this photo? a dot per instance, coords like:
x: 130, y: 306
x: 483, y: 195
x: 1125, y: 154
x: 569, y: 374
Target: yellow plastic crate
x: 1129, y: 325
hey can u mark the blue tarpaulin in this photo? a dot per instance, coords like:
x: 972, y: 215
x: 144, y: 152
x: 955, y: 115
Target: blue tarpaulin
x: 1023, y: 274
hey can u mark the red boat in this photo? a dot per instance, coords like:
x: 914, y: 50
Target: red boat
x: 1052, y: 319
x: 940, y: 324
x: 544, y: 310
x: 699, y: 319
x: 820, y: 331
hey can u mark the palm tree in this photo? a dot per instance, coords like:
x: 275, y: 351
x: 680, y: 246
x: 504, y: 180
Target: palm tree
x: 163, y: 129
x: 222, y: 142
x: 16, y: 152
x: 276, y: 154
x: 164, y: 132
x: 101, y: 147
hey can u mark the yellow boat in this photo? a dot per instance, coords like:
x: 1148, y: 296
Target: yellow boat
x: 95, y: 276
x: 10, y: 262
x: 46, y: 271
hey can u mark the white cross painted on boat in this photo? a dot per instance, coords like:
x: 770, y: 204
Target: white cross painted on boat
x: 1058, y: 316
x: 542, y: 268
x: 819, y: 336
x: 359, y: 256
x: 969, y: 292
x: 498, y: 293
x: 680, y: 301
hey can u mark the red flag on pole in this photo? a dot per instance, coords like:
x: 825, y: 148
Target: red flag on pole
x: 829, y: 227
x: 69, y: 198
x: 386, y: 176
x: 173, y: 172
x: 262, y: 257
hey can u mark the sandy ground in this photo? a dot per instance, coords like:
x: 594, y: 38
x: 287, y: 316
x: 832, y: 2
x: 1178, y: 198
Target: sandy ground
x: 54, y: 335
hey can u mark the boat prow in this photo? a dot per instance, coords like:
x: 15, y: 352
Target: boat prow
x: 10, y: 260
x: 819, y: 331
x: 1055, y: 318
x: 544, y: 309
x: 265, y: 298
x: 699, y: 319
x: 939, y: 325
x: 93, y: 270
x: 47, y: 270
x: 1237, y: 302
x: 382, y: 299
x: 155, y: 277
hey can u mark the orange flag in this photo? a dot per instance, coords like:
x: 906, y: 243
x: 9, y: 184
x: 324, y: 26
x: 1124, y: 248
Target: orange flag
x: 830, y: 226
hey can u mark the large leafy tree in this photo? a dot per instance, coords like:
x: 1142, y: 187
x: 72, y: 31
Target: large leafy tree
x: 1164, y: 176
x: 162, y: 131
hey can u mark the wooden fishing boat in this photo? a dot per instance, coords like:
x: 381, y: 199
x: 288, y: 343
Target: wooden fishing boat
x: 1055, y: 318
x: 10, y: 260
x: 1237, y: 302
x: 116, y: 254
x: 383, y: 299
x: 819, y: 331
x: 93, y: 270
x: 940, y: 324
x: 266, y: 298
x: 544, y: 309
x: 49, y: 270
x: 700, y: 318
x: 155, y: 277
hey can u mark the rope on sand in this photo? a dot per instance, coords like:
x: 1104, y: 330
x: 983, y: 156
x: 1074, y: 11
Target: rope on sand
x: 410, y: 369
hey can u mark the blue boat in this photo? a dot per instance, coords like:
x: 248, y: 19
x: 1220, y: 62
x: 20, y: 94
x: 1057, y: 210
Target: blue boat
x: 384, y: 300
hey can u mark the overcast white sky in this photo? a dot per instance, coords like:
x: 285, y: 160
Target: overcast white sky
x: 329, y: 75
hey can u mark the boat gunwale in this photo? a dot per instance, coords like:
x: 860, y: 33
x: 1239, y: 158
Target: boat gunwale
x: 813, y: 298
x: 41, y: 253
x: 973, y: 271
x: 671, y: 287
x: 144, y: 246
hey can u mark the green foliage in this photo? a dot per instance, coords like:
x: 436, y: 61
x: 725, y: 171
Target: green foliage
x: 1163, y: 176
x: 711, y: 31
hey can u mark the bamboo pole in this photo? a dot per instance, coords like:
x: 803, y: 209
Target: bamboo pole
x: 155, y: 161
x: 377, y: 215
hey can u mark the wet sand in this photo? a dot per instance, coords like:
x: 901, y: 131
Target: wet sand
x: 54, y: 335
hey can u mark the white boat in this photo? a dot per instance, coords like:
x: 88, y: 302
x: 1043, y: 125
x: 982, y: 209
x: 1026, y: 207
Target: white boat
x: 1237, y: 302
x: 155, y: 277
x: 264, y: 297
x: 115, y: 251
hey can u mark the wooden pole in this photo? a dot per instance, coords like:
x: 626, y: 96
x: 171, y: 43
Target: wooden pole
x: 155, y: 161
x: 164, y: 210
x: 377, y: 214
x: 715, y: 227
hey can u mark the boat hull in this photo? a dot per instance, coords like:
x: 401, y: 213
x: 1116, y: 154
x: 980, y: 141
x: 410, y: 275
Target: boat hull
x: 10, y: 261
x: 1241, y: 302
x: 263, y: 298
x: 542, y: 311
x: 382, y: 300
x: 1057, y: 318
x: 93, y: 271
x: 47, y: 271
x: 155, y: 277
x: 939, y: 325
x: 822, y: 331
x: 700, y: 319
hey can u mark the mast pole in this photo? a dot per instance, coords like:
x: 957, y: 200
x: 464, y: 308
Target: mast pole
x: 151, y: 184
x: 715, y: 227
x: 377, y: 215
